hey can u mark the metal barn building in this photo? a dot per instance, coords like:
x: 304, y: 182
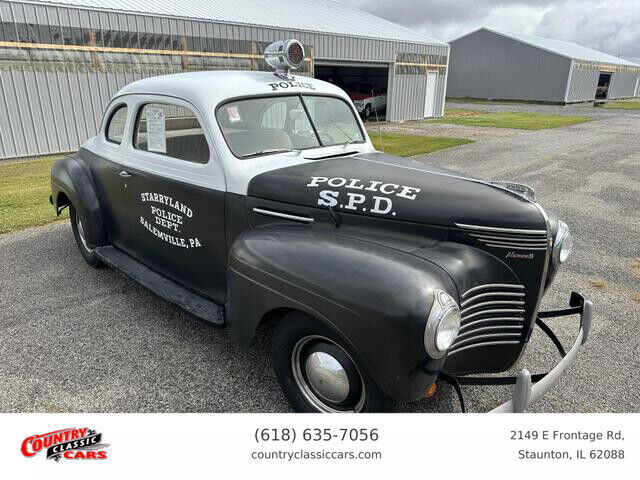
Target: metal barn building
x: 62, y: 60
x: 492, y: 64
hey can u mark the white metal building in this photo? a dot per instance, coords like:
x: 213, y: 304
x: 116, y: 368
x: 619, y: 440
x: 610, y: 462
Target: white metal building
x: 488, y: 63
x: 62, y: 60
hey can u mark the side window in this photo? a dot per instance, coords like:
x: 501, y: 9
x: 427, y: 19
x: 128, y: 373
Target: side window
x: 171, y: 130
x: 115, y: 127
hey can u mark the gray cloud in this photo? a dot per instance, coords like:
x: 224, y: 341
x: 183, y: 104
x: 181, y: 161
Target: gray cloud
x: 610, y: 26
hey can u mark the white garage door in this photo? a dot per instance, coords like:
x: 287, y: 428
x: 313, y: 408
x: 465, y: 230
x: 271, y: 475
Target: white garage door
x: 430, y: 98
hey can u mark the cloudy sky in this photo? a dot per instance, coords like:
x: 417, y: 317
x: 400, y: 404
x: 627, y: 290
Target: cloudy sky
x: 609, y: 26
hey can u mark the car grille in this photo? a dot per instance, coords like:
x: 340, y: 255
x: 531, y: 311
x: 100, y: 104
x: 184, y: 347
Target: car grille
x: 492, y: 314
x: 509, y: 238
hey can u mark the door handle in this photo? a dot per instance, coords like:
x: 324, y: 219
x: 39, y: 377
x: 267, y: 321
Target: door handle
x: 125, y: 174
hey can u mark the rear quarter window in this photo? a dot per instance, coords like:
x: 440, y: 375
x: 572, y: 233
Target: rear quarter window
x: 116, y: 124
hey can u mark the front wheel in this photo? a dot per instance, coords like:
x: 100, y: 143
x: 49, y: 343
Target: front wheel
x: 317, y: 374
x: 86, y: 250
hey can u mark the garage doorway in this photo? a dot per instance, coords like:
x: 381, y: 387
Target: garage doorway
x: 365, y: 85
x: 602, y: 91
x: 430, y: 95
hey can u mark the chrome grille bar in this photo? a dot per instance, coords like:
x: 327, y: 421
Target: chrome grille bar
x: 507, y: 238
x: 492, y: 314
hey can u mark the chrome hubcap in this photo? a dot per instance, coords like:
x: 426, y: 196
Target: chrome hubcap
x: 83, y: 240
x: 327, y: 376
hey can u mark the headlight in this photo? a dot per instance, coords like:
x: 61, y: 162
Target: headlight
x: 443, y: 324
x: 563, y: 243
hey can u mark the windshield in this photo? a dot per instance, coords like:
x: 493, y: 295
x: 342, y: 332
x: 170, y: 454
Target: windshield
x: 262, y: 126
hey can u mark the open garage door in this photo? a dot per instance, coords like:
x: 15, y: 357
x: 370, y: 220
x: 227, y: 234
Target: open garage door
x: 366, y: 85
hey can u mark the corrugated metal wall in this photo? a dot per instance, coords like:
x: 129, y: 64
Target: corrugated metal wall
x: 583, y: 84
x: 584, y: 81
x: 623, y: 85
x: 409, y: 92
x: 486, y: 65
x: 408, y: 96
x: 51, y: 100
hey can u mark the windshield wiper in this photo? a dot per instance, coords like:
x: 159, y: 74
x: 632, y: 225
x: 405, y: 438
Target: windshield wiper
x: 351, y: 142
x: 270, y: 150
x: 348, y: 142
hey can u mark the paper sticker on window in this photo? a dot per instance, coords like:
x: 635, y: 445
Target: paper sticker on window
x: 156, y: 134
x: 234, y: 114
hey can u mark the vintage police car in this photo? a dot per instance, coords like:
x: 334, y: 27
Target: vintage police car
x: 247, y: 197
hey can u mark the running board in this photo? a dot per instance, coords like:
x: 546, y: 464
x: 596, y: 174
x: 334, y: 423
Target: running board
x: 168, y: 289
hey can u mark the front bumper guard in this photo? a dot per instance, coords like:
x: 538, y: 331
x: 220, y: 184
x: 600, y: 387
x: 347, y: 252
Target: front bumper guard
x: 531, y: 388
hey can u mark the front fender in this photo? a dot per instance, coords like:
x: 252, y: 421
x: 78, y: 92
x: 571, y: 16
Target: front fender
x: 71, y: 176
x: 375, y: 298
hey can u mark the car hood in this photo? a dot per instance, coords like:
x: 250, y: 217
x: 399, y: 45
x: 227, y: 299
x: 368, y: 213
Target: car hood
x: 381, y: 185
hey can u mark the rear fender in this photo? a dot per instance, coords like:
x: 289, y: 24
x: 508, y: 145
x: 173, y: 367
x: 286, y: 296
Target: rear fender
x: 71, y: 178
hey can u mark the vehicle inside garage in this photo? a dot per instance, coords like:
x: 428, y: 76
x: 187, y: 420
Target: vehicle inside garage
x: 366, y: 85
x: 604, y: 81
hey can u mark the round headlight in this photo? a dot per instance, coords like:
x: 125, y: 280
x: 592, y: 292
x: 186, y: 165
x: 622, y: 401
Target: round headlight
x: 563, y: 244
x: 565, y: 249
x: 443, y: 324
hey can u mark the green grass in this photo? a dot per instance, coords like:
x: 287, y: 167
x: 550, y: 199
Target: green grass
x: 521, y: 120
x: 24, y: 194
x: 629, y: 105
x: 409, y: 145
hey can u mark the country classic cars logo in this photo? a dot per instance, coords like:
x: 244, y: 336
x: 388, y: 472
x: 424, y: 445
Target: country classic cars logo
x: 70, y: 443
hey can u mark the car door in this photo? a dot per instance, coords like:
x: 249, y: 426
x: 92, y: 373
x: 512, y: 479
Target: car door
x: 176, y: 193
x: 107, y: 166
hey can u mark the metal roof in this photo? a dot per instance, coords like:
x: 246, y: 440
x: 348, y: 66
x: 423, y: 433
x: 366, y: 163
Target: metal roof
x: 559, y: 47
x: 324, y: 16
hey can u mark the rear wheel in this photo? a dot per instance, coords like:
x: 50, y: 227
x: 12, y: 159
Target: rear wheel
x: 318, y: 374
x: 87, y: 251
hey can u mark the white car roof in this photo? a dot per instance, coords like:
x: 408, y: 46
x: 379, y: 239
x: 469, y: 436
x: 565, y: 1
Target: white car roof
x: 208, y: 89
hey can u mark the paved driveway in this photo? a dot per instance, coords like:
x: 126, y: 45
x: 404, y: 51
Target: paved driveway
x: 76, y: 339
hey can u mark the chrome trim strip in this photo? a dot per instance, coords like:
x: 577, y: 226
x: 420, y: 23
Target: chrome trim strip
x: 509, y: 238
x: 286, y: 216
x: 505, y: 230
x: 497, y: 310
x: 491, y: 294
x: 516, y: 244
x: 487, y: 336
x: 484, y: 344
x: 487, y: 320
x: 516, y: 247
x: 493, y: 285
x: 493, y: 302
x: 492, y: 328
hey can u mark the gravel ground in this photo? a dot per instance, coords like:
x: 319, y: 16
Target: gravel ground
x: 74, y: 339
